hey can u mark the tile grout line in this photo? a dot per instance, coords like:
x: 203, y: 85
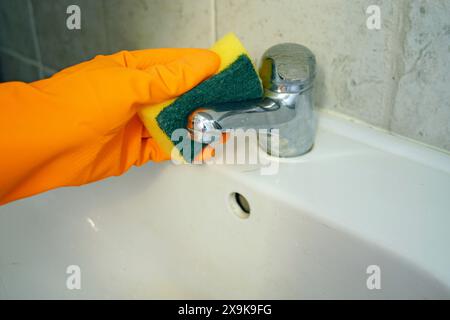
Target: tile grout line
x: 397, y: 64
x: 213, y: 22
x: 26, y: 60
x: 105, y: 25
x: 37, y: 49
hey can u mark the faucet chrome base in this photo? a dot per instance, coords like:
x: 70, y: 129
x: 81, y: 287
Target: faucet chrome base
x: 295, y: 137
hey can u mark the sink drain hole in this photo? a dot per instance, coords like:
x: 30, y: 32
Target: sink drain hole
x: 239, y: 205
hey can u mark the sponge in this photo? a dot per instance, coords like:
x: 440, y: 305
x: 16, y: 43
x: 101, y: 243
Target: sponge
x: 236, y: 80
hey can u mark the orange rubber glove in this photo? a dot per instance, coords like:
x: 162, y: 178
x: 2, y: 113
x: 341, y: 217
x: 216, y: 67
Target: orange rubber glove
x: 81, y: 125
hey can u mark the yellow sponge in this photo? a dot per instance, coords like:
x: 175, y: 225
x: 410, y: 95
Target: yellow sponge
x: 236, y: 80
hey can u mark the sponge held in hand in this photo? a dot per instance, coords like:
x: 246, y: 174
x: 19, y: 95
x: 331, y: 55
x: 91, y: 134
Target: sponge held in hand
x: 236, y: 80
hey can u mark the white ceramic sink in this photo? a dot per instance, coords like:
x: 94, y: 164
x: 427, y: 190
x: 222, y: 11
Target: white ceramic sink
x: 360, y: 198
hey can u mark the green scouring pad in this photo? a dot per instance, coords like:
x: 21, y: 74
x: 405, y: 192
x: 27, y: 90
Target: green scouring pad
x: 236, y: 80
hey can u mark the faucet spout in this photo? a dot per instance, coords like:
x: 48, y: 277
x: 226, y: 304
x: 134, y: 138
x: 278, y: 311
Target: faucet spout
x: 286, y: 110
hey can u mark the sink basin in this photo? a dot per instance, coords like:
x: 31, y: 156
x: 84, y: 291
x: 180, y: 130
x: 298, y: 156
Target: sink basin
x: 360, y: 198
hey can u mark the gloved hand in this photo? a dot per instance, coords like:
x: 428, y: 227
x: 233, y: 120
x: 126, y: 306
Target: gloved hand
x: 81, y: 125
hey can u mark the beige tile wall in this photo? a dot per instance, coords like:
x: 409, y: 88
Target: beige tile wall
x: 395, y: 78
x: 137, y: 24
x: 351, y: 59
x: 422, y: 104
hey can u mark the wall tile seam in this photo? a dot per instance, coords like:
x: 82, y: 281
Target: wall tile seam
x: 26, y: 60
x: 398, y: 65
x: 214, y: 26
x: 35, y: 38
x: 105, y: 25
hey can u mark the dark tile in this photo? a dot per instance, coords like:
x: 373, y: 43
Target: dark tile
x: 15, y: 27
x: 13, y: 69
x: 61, y: 47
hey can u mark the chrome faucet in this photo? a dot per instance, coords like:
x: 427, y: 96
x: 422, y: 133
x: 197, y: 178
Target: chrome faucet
x: 287, y: 72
